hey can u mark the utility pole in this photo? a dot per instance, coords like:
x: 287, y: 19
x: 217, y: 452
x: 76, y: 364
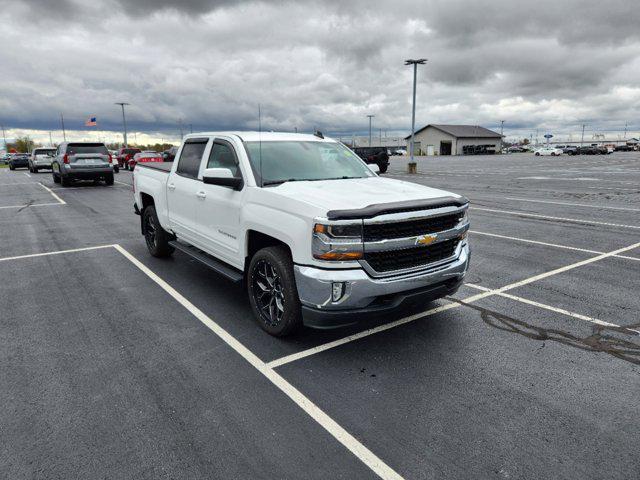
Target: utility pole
x: 181, y: 131
x: 50, y: 140
x: 625, y: 130
x: 64, y: 133
x: 501, y: 136
x: 415, y: 63
x: 380, y: 137
x: 296, y: 129
x: 4, y: 137
x: 191, y: 127
x: 582, y: 138
x: 370, y: 117
x: 124, y: 122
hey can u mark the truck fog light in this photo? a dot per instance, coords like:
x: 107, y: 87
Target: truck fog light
x: 337, y: 291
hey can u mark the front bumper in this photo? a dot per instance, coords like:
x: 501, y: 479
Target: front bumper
x: 365, y: 295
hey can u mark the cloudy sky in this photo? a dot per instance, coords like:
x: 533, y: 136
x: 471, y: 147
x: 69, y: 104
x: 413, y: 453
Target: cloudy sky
x: 546, y: 65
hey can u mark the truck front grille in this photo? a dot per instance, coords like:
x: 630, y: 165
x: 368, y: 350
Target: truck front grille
x: 411, y: 228
x: 411, y: 257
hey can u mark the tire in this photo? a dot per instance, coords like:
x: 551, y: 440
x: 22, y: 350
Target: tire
x: 383, y: 168
x: 537, y: 154
x: 156, y: 237
x: 56, y: 178
x: 116, y: 169
x: 35, y: 170
x: 109, y: 179
x: 66, y: 181
x: 272, y: 291
x: 11, y: 167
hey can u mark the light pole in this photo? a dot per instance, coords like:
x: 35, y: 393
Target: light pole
x: 501, y: 136
x: 124, y: 121
x: 4, y: 138
x: 181, y: 131
x: 415, y: 63
x: 370, y: 117
x: 582, y: 138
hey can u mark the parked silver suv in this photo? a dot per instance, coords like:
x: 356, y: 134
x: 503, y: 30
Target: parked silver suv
x: 82, y: 161
x: 41, y: 158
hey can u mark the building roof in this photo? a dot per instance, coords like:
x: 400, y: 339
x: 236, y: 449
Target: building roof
x: 462, y: 131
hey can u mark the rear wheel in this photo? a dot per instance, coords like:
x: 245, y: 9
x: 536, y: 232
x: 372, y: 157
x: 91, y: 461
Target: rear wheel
x: 66, y: 181
x: 109, y: 179
x: 157, y: 238
x: 272, y: 291
x: 537, y: 154
x: 11, y: 167
x: 56, y: 178
x: 383, y: 168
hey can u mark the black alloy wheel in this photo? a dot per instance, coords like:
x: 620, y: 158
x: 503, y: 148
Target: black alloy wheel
x: 268, y: 293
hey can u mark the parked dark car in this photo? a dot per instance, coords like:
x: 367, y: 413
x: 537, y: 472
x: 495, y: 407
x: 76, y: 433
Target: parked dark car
x: 623, y: 148
x: 587, y: 150
x: 125, y: 154
x: 19, y: 160
x: 371, y: 155
x: 170, y: 154
x: 570, y: 150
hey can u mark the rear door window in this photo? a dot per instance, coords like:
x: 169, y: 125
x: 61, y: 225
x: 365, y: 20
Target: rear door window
x: 191, y: 157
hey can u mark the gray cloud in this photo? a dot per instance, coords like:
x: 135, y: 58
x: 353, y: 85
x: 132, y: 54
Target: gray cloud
x: 552, y: 64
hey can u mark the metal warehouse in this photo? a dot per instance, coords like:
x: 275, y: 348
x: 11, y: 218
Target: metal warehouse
x: 455, y: 140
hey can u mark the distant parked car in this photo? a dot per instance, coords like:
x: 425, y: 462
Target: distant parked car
x: 587, y: 150
x: 516, y: 149
x: 400, y: 151
x: 41, y: 158
x: 82, y: 161
x: 569, y: 150
x: 19, y: 160
x: 623, y: 148
x: 144, y: 157
x: 125, y: 154
x: 170, y: 154
x: 374, y: 155
x: 546, y: 151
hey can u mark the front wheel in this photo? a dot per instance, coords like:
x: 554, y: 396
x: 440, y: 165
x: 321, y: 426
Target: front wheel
x: 157, y: 238
x: 383, y: 168
x: 272, y: 291
x: 109, y: 179
x: 537, y: 154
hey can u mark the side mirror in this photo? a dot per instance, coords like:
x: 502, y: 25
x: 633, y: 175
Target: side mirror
x: 222, y: 177
x: 374, y: 167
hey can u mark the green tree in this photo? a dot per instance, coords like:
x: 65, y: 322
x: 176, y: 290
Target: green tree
x: 24, y: 144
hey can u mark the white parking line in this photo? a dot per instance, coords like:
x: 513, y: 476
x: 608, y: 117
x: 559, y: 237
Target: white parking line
x: 532, y: 200
x: 345, y: 438
x: 57, y: 252
x: 62, y: 202
x: 552, y: 309
x: 27, y: 205
x: 563, y: 219
x: 321, y: 348
x: 123, y: 183
x: 25, y: 173
x: 555, y: 245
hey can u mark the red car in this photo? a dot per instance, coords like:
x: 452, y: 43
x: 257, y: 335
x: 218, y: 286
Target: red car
x: 144, y: 157
x: 125, y: 154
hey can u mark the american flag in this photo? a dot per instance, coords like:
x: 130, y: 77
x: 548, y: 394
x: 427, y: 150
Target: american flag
x: 91, y: 122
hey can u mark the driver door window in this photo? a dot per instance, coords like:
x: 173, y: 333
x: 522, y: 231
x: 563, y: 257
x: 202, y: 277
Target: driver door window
x: 222, y: 156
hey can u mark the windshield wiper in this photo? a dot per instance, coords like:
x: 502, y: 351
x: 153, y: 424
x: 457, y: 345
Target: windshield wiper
x: 278, y: 182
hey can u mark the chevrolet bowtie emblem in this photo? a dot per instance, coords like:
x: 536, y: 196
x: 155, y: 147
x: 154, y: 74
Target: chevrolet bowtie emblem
x: 426, y: 239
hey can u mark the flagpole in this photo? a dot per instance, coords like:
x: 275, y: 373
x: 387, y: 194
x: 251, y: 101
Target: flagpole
x: 64, y: 134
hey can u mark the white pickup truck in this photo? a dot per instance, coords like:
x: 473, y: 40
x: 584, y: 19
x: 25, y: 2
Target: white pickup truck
x: 315, y: 234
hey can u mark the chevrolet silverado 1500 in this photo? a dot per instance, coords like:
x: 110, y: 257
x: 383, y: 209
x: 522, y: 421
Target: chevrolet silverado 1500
x: 317, y: 237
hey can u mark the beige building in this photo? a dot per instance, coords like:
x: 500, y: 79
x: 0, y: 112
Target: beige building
x: 455, y: 140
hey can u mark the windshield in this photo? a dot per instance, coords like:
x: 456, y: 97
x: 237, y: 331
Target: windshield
x: 128, y: 151
x: 80, y: 148
x: 292, y: 161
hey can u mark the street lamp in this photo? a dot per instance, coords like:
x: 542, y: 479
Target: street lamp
x: 415, y: 63
x: 501, y: 135
x: 370, y: 117
x: 124, y: 121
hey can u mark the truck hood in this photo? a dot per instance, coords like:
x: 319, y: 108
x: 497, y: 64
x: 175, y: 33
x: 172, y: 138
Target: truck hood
x: 357, y: 192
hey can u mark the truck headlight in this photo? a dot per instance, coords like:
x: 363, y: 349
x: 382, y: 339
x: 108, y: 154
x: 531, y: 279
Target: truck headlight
x: 337, y: 242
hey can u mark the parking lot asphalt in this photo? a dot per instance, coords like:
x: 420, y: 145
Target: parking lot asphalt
x: 120, y: 365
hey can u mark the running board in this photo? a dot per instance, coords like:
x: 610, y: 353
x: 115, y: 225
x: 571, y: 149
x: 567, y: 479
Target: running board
x: 213, y: 263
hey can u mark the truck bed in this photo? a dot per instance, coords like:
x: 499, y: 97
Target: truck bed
x: 161, y: 166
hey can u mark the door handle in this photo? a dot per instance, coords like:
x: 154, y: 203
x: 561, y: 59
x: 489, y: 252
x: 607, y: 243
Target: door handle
x: 201, y: 195
x: 171, y: 186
